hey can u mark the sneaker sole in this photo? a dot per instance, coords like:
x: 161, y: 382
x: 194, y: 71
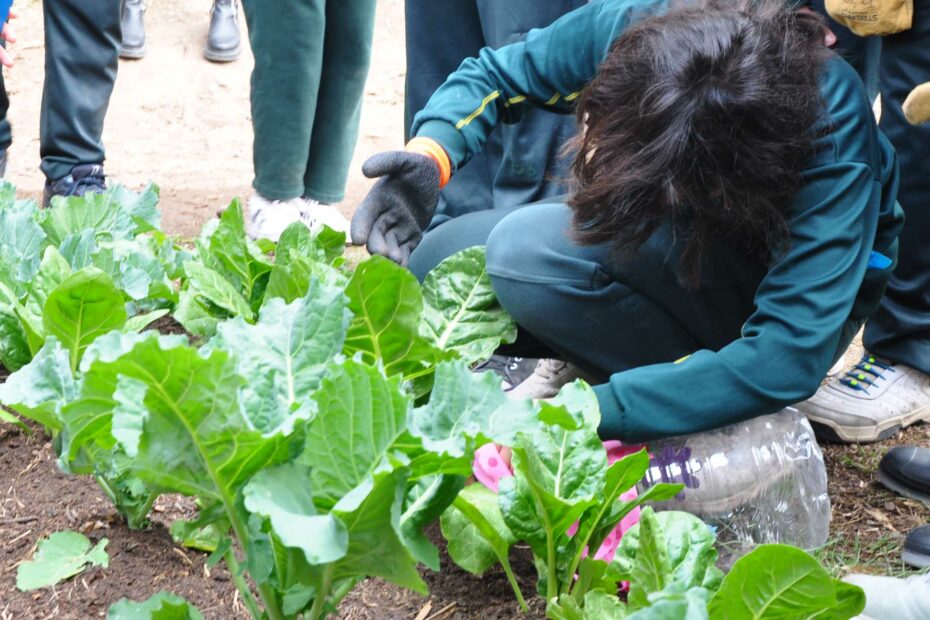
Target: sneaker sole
x: 133, y: 53
x: 833, y: 432
x: 223, y: 56
x: 893, y: 485
x: 917, y: 560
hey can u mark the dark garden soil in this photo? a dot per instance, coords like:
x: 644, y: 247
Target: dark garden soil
x: 869, y: 521
x: 36, y: 499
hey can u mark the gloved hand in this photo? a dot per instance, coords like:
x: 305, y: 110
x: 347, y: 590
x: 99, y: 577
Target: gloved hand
x: 397, y: 210
x: 917, y: 105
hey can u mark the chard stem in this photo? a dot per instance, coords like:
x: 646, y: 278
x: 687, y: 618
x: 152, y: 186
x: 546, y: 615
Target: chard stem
x: 552, y: 585
x: 505, y: 563
x: 320, y: 601
x: 247, y: 598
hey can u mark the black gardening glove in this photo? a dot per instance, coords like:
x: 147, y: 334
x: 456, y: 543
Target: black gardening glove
x: 397, y: 210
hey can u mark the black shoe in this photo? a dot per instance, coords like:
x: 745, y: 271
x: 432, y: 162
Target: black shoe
x: 133, y: 27
x: 916, y: 550
x: 84, y: 179
x: 906, y: 471
x: 513, y: 370
x: 224, y: 43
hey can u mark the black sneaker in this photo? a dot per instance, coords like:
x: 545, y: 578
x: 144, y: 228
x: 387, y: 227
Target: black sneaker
x: 906, y: 471
x: 512, y: 370
x: 224, y: 42
x: 84, y: 179
x: 133, y: 30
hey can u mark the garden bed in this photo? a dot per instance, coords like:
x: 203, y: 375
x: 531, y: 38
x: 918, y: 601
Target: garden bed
x: 869, y: 524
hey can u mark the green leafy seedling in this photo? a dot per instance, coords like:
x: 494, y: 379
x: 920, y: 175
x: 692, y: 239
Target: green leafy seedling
x: 162, y: 606
x: 60, y: 556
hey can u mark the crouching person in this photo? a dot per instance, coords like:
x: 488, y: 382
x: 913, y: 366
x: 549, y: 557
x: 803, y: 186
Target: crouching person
x: 731, y: 220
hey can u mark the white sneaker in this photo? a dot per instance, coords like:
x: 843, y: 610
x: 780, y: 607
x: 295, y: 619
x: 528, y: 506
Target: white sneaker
x: 837, y: 368
x: 546, y: 381
x: 891, y: 598
x: 872, y: 401
x: 267, y: 219
x: 315, y: 214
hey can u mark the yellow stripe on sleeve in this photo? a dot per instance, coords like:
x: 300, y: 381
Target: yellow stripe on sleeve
x: 484, y: 104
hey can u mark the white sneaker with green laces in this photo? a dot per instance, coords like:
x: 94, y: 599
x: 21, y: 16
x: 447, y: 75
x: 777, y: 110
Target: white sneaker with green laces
x: 267, y: 219
x: 315, y: 214
x: 891, y: 598
x: 872, y: 401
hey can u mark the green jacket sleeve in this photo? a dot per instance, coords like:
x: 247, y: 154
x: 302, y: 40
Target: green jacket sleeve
x: 803, y: 302
x: 549, y: 68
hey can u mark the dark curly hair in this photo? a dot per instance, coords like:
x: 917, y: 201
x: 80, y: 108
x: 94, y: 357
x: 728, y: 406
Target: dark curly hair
x: 700, y: 119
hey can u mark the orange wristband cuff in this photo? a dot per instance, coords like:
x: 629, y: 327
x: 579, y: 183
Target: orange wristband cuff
x: 432, y: 149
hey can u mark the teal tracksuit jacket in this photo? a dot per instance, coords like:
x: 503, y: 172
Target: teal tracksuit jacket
x: 843, y: 223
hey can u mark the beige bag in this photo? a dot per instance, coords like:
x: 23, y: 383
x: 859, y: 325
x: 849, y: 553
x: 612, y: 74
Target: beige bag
x: 872, y: 17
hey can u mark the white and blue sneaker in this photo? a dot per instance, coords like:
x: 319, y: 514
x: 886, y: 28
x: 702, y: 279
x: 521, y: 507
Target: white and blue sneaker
x: 872, y: 401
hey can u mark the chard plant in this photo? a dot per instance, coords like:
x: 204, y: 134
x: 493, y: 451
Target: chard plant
x: 321, y: 467
x: 98, y: 257
x: 563, y: 500
x: 228, y: 275
x: 308, y: 425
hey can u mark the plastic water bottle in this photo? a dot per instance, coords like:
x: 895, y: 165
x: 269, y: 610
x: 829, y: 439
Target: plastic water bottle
x: 761, y: 481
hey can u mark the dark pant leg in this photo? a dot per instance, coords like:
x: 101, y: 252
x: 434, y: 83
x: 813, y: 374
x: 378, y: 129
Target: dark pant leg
x: 287, y: 38
x: 532, y: 166
x: 82, y: 39
x: 440, y: 35
x: 900, y: 329
x: 581, y: 304
x: 346, y: 56
x: 6, y: 131
x: 607, y: 315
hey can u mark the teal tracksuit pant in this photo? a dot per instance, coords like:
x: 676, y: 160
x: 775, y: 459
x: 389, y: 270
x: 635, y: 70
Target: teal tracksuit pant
x: 891, y: 66
x: 311, y: 62
x: 82, y: 40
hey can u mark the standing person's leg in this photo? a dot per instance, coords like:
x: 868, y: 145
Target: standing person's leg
x: 890, y: 387
x: 440, y: 35
x: 900, y: 329
x: 532, y: 166
x: 82, y: 42
x: 6, y: 131
x: 287, y: 38
x: 347, y: 56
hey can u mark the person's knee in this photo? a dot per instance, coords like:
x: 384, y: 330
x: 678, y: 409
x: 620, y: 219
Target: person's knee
x: 519, y: 244
x: 523, y: 260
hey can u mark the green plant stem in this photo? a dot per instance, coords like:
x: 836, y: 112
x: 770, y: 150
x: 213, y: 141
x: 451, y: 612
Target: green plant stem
x: 552, y: 584
x: 505, y: 563
x: 498, y: 545
x: 247, y: 598
x: 320, y: 601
